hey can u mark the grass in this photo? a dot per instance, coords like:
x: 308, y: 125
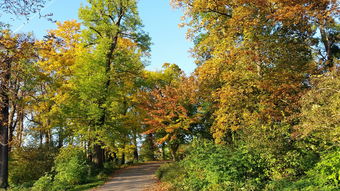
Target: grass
x: 92, y: 184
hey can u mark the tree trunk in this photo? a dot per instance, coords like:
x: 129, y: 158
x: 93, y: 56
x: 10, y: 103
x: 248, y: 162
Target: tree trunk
x: 328, y: 49
x: 135, y: 152
x: 163, y: 151
x: 135, y: 155
x: 122, y: 159
x: 11, y: 124
x: 20, y: 128
x: 115, y: 158
x: 98, y: 154
x: 151, y: 147
x: 173, y: 149
x: 4, y: 89
x: 61, y: 139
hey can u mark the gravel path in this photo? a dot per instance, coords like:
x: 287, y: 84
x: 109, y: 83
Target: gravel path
x: 135, y: 178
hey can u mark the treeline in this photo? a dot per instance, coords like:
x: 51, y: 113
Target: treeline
x: 260, y: 112
x: 264, y: 102
x: 70, y: 106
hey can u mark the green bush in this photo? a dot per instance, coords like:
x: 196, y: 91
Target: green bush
x: 324, y: 176
x: 71, y: 168
x: 214, y: 167
x: 169, y: 172
x: 28, y: 164
x: 44, y: 183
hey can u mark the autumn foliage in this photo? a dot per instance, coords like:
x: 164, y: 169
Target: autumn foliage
x: 259, y: 112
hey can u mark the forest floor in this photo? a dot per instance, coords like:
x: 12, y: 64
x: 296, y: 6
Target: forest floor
x: 134, y: 178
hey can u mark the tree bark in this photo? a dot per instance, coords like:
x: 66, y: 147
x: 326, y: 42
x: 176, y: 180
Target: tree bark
x: 4, y: 123
x: 20, y: 128
x: 122, y: 159
x: 98, y: 154
x: 173, y: 149
x: 135, y: 152
x: 151, y: 147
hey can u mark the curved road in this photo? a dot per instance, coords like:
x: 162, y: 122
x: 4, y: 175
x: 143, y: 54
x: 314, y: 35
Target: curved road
x: 135, y: 178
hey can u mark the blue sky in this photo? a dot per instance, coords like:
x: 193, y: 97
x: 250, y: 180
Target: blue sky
x: 160, y: 20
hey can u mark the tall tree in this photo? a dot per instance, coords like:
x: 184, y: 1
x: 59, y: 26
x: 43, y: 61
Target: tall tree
x: 171, y: 112
x: 114, y: 33
x: 253, y: 57
x: 16, y: 51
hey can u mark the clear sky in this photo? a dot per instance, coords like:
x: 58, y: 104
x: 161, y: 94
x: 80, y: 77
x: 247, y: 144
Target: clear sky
x: 160, y: 20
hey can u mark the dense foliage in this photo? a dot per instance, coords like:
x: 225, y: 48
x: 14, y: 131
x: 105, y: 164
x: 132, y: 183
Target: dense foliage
x: 260, y: 112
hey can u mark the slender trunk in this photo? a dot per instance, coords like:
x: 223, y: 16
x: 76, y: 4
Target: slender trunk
x: 61, y: 139
x: 47, y: 138
x: 135, y: 155
x: 135, y: 152
x: 173, y: 148
x: 122, y: 161
x: 11, y: 124
x: 115, y: 158
x: 163, y: 151
x: 41, y: 138
x: 20, y: 126
x: 328, y: 49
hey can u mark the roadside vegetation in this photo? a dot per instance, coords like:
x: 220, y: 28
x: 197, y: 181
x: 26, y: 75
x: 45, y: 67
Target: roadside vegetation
x: 260, y: 112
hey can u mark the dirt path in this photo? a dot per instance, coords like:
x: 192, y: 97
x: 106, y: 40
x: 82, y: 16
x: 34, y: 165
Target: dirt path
x: 135, y: 178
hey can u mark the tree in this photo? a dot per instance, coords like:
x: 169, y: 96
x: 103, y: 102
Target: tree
x: 115, y: 43
x: 254, y: 57
x: 171, y: 112
x: 319, y: 114
x: 16, y: 51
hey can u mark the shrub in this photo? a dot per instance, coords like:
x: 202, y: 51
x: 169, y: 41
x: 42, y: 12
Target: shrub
x: 71, y: 168
x: 169, y: 172
x: 44, y: 183
x: 214, y: 167
x: 324, y: 176
x: 28, y: 164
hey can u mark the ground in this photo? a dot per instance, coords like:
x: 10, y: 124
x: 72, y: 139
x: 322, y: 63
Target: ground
x: 135, y: 178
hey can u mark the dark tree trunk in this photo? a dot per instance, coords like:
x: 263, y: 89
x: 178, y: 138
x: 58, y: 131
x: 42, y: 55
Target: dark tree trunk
x: 61, y: 139
x: 173, y: 149
x: 98, y: 154
x: 4, y: 89
x: 41, y: 139
x: 135, y: 152
x: 135, y: 155
x: 151, y: 147
x: 115, y: 158
x: 122, y: 161
x: 11, y: 125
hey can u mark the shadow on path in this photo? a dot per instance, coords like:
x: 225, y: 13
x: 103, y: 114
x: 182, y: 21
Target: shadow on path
x: 135, y: 178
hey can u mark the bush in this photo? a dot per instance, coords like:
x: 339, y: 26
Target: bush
x: 44, y: 183
x: 324, y: 176
x: 28, y: 164
x: 169, y: 172
x: 214, y: 167
x: 71, y: 168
